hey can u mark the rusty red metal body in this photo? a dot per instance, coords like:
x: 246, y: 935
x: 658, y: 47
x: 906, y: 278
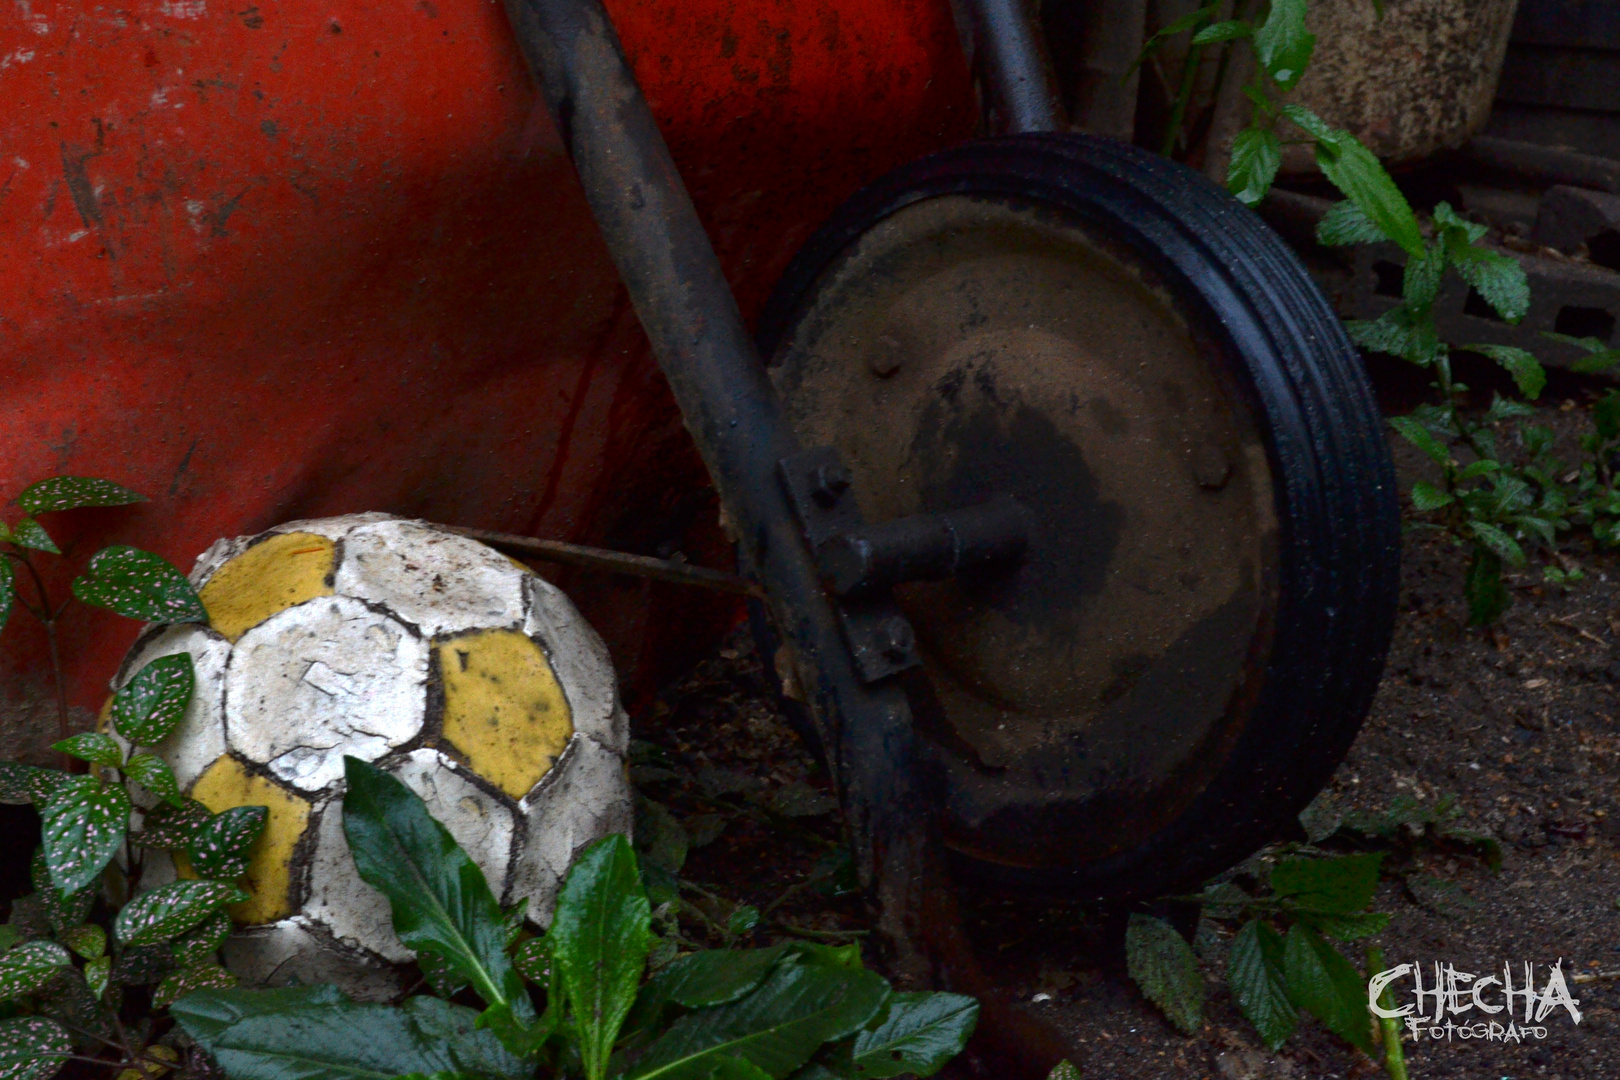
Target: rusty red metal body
x: 273, y: 260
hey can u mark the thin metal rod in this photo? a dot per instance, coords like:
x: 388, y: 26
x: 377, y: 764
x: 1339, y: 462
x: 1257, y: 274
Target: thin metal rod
x: 1015, y: 70
x: 685, y: 305
x: 613, y: 562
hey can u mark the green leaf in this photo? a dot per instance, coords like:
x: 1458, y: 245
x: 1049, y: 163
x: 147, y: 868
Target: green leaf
x: 1526, y: 370
x: 730, y: 1068
x: 206, y: 975
x: 1487, y: 596
x: 138, y: 585
x: 148, y: 707
x: 15, y: 777
x: 777, y: 1027
x: 1346, y: 927
x: 1323, y: 983
x: 219, y: 847
x: 8, y: 591
x: 1344, y: 223
x: 440, y: 899
x: 95, y: 975
x: 315, y: 1033
x: 92, y: 746
x: 63, y: 910
x: 661, y: 839
x: 32, y: 1048
x: 1170, y: 30
x: 1256, y: 157
x: 1254, y: 971
x: 1216, y: 33
x: 1497, y: 542
x: 1506, y: 409
x: 1596, y: 363
x: 1282, y: 43
x: 1064, y: 1070
x: 533, y: 960
x: 600, y: 936
x: 172, y: 827
x: 26, y: 968
x: 86, y: 939
x: 203, y: 941
x: 29, y: 533
x: 154, y: 774
x: 1425, y: 496
x: 170, y: 910
x: 1420, y: 283
x: 514, y: 919
x: 1337, y: 886
x: 1161, y: 962
x: 1357, y: 173
x: 1419, y: 436
x: 72, y: 492
x: 82, y: 825
x: 1496, y: 277
x: 1399, y: 332
x: 715, y: 976
x: 917, y: 1034
x: 1606, y: 415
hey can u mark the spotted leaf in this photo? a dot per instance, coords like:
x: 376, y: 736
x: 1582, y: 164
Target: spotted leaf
x: 29, y: 533
x: 86, y: 939
x: 139, y: 585
x: 202, y: 942
x: 219, y: 847
x: 94, y: 747
x: 95, y: 975
x: 82, y: 823
x: 8, y: 591
x: 170, y: 910
x: 154, y: 774
x: 14, y: 781
x: 32, y: 1048
x: 152, y: 703
x: 64, y: 910
x: 203, y: 976
x: 72, y: 492
x: 25, y: 969
x: 172, y: 826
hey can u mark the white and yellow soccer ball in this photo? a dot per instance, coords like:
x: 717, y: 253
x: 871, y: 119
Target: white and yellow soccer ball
x: 456, y: 669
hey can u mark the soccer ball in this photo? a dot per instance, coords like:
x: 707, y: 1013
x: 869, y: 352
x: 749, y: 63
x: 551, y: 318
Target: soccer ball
x: 456, y: 669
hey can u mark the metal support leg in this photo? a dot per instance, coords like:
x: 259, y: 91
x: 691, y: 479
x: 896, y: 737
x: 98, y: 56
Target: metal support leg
x: 1015, y: 71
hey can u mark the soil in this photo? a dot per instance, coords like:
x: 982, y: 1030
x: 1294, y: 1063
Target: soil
x: 1519, y: 726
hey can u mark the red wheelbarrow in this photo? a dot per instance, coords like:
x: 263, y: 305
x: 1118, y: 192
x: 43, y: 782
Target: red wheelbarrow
x: 1063, y: 493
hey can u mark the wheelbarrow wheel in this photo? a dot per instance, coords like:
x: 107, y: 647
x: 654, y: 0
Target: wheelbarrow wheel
x: 1196, y: 633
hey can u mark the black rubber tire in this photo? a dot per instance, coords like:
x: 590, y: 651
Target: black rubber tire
x: 1331, y: 472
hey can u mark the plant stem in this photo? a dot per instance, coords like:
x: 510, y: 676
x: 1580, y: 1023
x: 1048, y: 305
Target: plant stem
x: 47, y: 616
x: 1389, y: 1027
x: 1189, y: 78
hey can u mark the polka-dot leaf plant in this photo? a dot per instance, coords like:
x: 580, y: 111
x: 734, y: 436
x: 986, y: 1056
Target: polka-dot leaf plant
x: 26, y: 968
x: 86, y: 939
x: 7, y: 590
x: 170, y: 910
x: 171, y: 827
x: 200, y: 943
x: 29, y: 533
x: 72, y: 492
x: 63, y: 910
x: 154, y: 774
x: 219, y: 848
x: 206, y: 975
x: 149, y: 706
x: 83, y: 824
x: 32, y: 1047
x: 139, y: 585
x: 94, y: 747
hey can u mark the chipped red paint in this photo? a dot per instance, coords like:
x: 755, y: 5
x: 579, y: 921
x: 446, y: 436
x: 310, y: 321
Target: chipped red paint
x: 269, y: 260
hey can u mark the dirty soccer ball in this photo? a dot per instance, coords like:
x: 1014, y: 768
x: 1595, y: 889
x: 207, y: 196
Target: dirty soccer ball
x: 454, y: 668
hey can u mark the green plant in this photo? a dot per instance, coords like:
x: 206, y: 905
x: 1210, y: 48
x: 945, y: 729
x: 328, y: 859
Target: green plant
x: 795, y: 1009
x: 1281, y: 958
x: 70, y: 951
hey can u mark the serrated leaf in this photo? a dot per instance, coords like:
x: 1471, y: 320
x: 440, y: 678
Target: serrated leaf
x: 26, y: 968
x: 147, y: 708
x: 172, y: 827
x: 1323, y: 983
x: 1497, y: 542
x: 1254, y: 971
x: 32, y: 1048
x: 138, y: 585
x: 1162, y: 964
x: 170, y: 910
x: 154, y: 774
x: 29, y: 533
x: 1256, y: 157
x: 64, y: 910
x: 1357, y: 173
x: 917, y: 1034
x: 1344, y: 223
x: 1282, y: 44
x: 1496, y: 277
x: 1398, y: 332
x: 203, y: 976
x: 1425, y: 496
x: 86, y: 939
x: 315, y: 1033
x: 661, y: 840
x: 82, y: 825
x: 1596, y: 363
x: 92, y: 746
x: 440, y: 899
x: 777, y: 1027
x: 1419, y: 436
x: 72, y: 492
x: 600, y: 936
x: 1346, y: 927
x: 219, y: 847
x: 1420, y: 282
x: 1528, y: 374
x: 1506, y: 409
x: 1338, y: 885
x: 1482, y: 587
x: 203, y: 940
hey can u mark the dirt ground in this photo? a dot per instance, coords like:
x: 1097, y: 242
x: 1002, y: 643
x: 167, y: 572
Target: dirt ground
x: 1519, y: 725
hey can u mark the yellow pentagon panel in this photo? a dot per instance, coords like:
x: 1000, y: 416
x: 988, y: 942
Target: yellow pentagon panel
x: 266, y: 578
x: 225, y: 784
x: 104, y: 717
x: 503, y: 707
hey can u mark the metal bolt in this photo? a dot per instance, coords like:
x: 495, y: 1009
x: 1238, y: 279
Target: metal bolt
x: 828, y: 483
x: 896, y: 637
